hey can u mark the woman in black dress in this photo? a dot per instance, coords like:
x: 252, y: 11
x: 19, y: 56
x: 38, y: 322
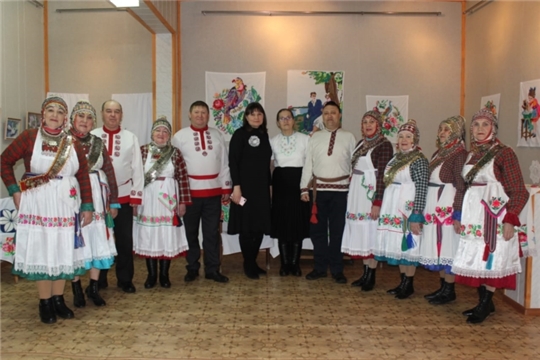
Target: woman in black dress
x: 249, y: 161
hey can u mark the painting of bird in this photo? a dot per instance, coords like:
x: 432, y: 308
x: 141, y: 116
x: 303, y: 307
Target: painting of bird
x: 234, y: 97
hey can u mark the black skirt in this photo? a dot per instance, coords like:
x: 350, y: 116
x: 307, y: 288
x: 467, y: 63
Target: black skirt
x: 290, y: 215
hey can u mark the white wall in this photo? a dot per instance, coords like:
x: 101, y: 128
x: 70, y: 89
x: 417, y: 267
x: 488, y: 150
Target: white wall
x: 98, y: 53
x: 22, y: 81
x: 381, y: 55
x: 503, y: 49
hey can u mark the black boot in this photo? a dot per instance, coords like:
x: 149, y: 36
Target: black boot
x: 46, y: 311
x: 246, y: 248
x: 362, y: 279
x: 92, y: 291
x: 164, y: 266
x: 369, y: 282
x: 296, y: 251
x: 397, y: 289
x: 102, y: 282
x: 60, y: 307
x: 151, y: 279
x: 284, y: 257
x: 256, y: 248
x: 436, y: 292
x: 78, y: 295
x: 407, y: 289
x: 447, y: 295
x: 481, y: 290
x: 482, y: 310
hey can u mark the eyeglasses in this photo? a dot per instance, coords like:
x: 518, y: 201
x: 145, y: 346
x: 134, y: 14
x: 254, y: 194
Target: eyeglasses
x: 285, y: 118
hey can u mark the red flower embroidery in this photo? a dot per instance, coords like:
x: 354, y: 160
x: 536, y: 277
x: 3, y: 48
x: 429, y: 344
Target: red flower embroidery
x: 218, y: 104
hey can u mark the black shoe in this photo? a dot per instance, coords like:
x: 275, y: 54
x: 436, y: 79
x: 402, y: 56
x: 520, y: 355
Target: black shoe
x: 78, y: 295
x: 251, y: 273
x: 60, y: 307
x: 482, y: 310
x: 217, y: 277
x: 92, y: 291
x: 46, y: 311
x: 127, y: 287
x: 102, y: 282
x: 260, y: 270
x: 481, y: 291
x: 397, y: 289
x: 369, y: 283
x: 151, y: 279
x: 448, y: 294
x: 360, y: 281
x: 407, y: 289
x: 314, y: 275
x: 436, y: 292
x: 164, y: 266
x: 339, y: 278
x: 191, y: 275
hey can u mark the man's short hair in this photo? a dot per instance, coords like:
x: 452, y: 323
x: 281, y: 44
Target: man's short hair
x: 332, y: 103
x: 312, y: 93
x: 199, y: 103
x: 105, y: 103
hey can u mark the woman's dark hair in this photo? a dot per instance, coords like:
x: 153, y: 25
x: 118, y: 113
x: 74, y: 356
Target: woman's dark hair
x: 250, y: 109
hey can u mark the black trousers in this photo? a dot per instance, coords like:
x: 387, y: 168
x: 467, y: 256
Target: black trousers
x: 331, y: 206
x: 207, y: 210
x: 123, y: 232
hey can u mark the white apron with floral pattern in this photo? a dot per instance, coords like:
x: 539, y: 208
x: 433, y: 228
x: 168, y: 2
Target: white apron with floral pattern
x: 439, y: 210
x: 360, y: 231
x: 469, y: 261
x: 100, y: 248
x: 46, y: 224
x: 154, y: 234
x: 397, y: 205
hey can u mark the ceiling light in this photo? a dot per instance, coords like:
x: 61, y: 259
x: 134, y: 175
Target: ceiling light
x: 125, y: 3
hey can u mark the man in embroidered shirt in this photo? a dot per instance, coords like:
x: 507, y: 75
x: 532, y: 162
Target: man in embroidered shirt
x: 205, y: 154
x: 327, y: 171
x: 123, y: 148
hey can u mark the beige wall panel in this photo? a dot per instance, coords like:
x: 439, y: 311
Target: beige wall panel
x: 100, y: 53
x: 503, y: 50
x: 167, y: 8
x: 381, y: 55
x: 22, y: 79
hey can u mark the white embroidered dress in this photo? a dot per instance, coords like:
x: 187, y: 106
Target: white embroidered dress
x: 154, y: 234
x: 99, y: 250
x: 360, y: 234
x: 438, y: 209
x: 46, y: 221
x: 469, y: 261
x: 398, y: 203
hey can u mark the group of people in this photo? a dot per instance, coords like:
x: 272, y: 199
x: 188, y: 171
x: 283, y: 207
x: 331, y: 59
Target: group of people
x: 457, y: 214
x: 92, y: 197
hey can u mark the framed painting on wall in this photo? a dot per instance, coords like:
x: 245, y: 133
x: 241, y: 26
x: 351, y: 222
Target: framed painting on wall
x: 12, y: 129
x: 33, y: 120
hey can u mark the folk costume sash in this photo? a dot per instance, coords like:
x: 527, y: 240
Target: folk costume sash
x: 313, y: 184
x: 363, y: 147
x: 62, y: 156
x: 154, y: 172
x: 401, y: 161
x: 490, y: 155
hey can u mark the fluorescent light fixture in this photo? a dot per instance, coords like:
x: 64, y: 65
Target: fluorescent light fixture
x: 125, y: 3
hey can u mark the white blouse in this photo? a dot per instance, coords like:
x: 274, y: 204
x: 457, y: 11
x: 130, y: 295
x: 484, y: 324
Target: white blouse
x: 289, y: 151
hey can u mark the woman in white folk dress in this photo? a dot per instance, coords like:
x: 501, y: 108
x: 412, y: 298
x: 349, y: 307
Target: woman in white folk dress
x: 443, y: 209
x: 99, y: 250
x: 488, y: 252
x: 366, y: 191
x: 402, y: 211
x: 54, y: 200
x: 158, y: 233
